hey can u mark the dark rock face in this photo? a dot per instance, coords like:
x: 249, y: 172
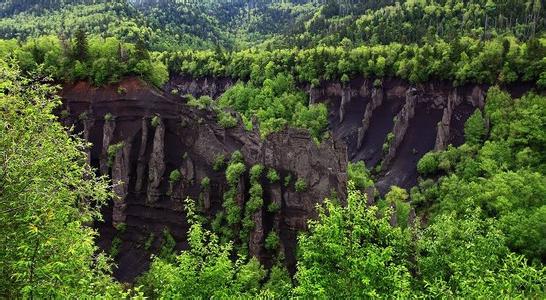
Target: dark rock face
x: 392, y: 125
x: 207, y: 86
x: 160, y: 134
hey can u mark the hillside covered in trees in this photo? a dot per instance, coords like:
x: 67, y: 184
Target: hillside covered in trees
x: 172, y: 149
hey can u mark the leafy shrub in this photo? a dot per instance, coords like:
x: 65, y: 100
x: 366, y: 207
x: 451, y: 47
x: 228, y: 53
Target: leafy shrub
x: 121, y: 90
x: 273, y: 207
x: 149, y: 241
x: 205, y: 183
x: 359, y: 174
x: 155, y: 121
x: 234, y: 172
x: 202, y: 102
x: 113, y: 151
x: 167, y: 245
x: 219, y: 162
x: 388, y: 142
x: 226, y: 120
x: 272, y: 241
x: 108, y: 117
x: 175, y: 176
x: 233, y: 211
x: 256, y: 172
x: 255, y: 201
x: 428, y: 164
x: 300, y: 185
x: 287, y: 180
x: 273, y: 176
x: 121, y: 227
x: 237, y: 156
x: 114, y: 248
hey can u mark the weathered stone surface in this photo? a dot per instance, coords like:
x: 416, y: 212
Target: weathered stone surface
x: 345, y: 99
x: 257, y: 236
x: 156, y: 165
x: 108, y: 133
x: 141, y: 161
x: 442, y: 136
x: 401, y: 125
x: 120, y: 178
x: 87, y: 126
x: 377, y: 100
x: 213, y: 87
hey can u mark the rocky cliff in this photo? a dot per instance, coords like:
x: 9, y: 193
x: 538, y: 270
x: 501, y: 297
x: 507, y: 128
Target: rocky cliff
x: 140, y: 135
x: 391, y: 124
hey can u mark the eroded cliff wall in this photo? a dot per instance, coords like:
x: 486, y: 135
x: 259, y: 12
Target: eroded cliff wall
x: 140, y: 135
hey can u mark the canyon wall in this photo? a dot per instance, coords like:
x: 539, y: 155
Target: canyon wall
x: 140, y: 135
x: 389, y: 124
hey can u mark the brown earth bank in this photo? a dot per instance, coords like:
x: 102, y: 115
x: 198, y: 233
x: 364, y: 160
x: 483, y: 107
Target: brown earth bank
x: 189, y: 140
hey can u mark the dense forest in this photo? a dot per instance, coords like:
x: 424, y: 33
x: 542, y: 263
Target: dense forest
x: 473, y: 226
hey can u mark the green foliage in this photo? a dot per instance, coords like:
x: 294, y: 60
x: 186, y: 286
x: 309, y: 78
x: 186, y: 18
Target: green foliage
x: 474, y: 128
x: 234, y: 172
x: 113, y: 150
x: 428, y: 164
x: 256, y: 172
x: 205, y: 183
x: 156, y: 120
x: 273, y: 207
x: 287, y: 180
x: 503, y: 177
x: 121, y: 227
x: 398, y: 197
x: 273, y: 176
x: 468, y: 258
x: 226, y: 120
x: 233, y: 210
x: 121, y: 90
x: 175, y: 176
x: 388, y: 141
x: 114, y: 248
x: 300, y: 185
x: 237, y: 157
x: 167, y: 245
x: 279, y: 285
x: 219, y: 162
x: 359, y: 175
x: 349, y: 243
x: 202, y: 102
x: 149, y: 241
x: 255, y: 202
x: 272, y: 241
x: 206, y: 270
x: 101, y: 61
x: 109, y: 117
x: 47, y: 197
x: 276, y: 103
